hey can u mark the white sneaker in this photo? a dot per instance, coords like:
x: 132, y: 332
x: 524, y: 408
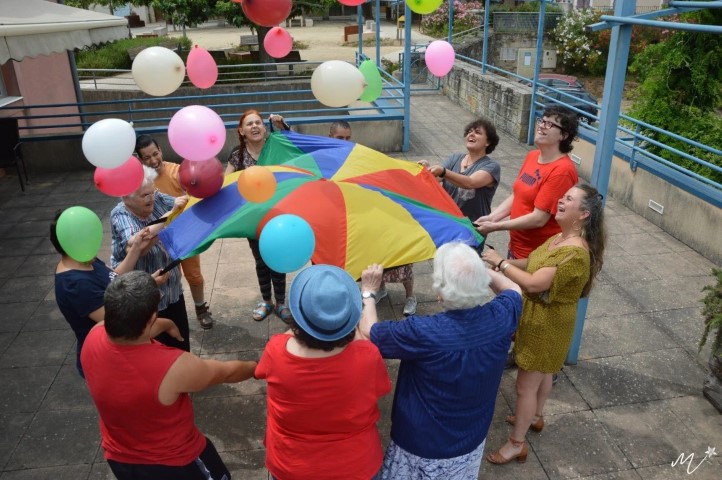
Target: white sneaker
x: 410, y: 306
x: 381, y: 294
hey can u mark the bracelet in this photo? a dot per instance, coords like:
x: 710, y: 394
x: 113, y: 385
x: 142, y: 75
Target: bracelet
x: 498, y: 265
x: 443, y: 174
x: 503, y: 270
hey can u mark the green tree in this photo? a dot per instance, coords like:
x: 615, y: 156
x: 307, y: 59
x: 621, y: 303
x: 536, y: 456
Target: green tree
x: 185, y: 12
x: 233, y: 14
x: 681, y: 91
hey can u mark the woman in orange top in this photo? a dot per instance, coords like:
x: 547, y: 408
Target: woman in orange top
x: 546, y: 175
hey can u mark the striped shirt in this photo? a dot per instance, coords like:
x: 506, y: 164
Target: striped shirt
x: 124, y: 224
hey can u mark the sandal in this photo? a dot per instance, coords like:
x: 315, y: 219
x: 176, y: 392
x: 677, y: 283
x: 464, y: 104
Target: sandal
x: 262, y: 310
x: 498, y: 459
x: 537, y: 426
x: 283, y: 313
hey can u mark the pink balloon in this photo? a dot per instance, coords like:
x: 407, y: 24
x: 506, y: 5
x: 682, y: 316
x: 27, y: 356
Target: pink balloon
x: 196, y: 133
x: 201, y: 68
x: 278, y: 42
x: 267, y: 13
x: 352, y: 3
x: 119, y: 181
x: 439, y: 57
x: 201, y: 179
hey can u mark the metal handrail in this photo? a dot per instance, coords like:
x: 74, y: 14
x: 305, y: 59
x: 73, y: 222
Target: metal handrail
x: 636, y: 141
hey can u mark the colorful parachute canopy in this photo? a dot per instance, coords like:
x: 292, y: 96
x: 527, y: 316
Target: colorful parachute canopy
x: 364, y: 207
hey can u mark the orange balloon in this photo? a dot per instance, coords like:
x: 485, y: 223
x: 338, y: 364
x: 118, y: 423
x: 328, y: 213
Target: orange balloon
x: 257, y: 184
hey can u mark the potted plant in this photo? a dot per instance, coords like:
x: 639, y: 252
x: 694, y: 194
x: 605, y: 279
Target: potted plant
x: 712, y: 313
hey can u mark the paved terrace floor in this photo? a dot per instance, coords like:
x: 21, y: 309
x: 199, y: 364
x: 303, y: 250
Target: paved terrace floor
x: 626, y: 411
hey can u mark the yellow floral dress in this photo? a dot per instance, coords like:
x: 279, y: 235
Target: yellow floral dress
x: 547, y: 320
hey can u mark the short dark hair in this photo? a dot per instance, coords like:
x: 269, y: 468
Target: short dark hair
x: 144, y: 141
x: 569, y: 121
x: 489, y: 129
x: 339, y: 124
x: 54, y: 233
x: 130, y: 300
x: 311, y: 342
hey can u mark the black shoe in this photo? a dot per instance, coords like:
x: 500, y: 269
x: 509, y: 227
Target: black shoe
x: 204, y: 316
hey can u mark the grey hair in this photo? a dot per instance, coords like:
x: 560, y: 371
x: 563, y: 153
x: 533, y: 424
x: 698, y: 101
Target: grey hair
x: 149, y: 176
x: 130, y: 300
x: 460, y: 277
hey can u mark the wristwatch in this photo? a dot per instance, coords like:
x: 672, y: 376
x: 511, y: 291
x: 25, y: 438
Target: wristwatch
x: 367, y: 294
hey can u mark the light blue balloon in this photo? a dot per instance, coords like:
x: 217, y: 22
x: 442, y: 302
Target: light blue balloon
x: 286, y: 243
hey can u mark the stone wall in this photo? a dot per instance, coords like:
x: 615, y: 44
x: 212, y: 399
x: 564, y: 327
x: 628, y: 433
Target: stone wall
x: 505, y: 102
x: 685, y: 217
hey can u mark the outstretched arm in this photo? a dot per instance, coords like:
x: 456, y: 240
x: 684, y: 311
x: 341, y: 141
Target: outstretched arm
x: 190, y: 373
x: 370, y: 282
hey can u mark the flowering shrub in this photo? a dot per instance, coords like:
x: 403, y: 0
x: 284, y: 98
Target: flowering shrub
x: 577, y: 50
x: 466, y: 16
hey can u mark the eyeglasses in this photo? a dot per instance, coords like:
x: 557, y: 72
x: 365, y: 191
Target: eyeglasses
x: 548, y: 124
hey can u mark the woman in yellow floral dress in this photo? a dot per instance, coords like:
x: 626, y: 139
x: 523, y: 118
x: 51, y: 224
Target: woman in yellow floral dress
x: 553, y: 278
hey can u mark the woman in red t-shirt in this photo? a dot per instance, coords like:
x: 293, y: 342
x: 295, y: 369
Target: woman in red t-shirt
x: 323, y: 385
x: 546, y: 175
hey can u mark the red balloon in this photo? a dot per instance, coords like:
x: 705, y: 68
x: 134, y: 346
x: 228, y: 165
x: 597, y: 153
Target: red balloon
x: 267, y: 13
x: 119, y: 181
x: 201, y: 179
x: 352, y: 3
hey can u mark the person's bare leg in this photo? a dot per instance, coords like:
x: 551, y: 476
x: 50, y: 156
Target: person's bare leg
x: 197, y: 293
x: 545, y: 389
x: 409, y: 287
x: 527, y: 386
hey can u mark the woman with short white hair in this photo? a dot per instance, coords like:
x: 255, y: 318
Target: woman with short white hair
x: 451, y: 366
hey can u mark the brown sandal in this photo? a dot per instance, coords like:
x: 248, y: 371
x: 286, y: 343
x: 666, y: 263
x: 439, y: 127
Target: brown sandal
x: 537, y: 426
x: 498, y: 459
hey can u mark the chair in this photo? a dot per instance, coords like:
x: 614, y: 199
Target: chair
x: 400, y: 25
x: 10, y: 154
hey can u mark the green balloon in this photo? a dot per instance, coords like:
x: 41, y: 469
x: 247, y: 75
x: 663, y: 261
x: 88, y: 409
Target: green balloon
x: 423, y: 7
x: 80, y: 233
x: 373, y: 81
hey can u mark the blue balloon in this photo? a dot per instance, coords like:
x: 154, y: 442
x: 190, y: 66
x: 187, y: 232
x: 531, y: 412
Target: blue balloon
x: 286, y: 243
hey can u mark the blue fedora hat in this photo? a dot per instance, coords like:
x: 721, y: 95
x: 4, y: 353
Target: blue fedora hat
x: 325, y: 302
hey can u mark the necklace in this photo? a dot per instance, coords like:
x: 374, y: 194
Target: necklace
x: 561, y: 239
x: 466, y: 165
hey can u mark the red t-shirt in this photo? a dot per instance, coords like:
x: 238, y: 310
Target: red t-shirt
x: 322, y: 412
x: 539, y: 186
x: 135, y: 427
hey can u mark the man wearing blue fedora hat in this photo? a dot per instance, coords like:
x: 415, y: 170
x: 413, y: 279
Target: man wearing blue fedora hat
x: 323, y: 384
x: 451, y: 366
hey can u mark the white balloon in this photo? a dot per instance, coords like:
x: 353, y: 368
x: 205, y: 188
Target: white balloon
x: 158, y: 71
x: 109, y: 143
x: 337, y: 83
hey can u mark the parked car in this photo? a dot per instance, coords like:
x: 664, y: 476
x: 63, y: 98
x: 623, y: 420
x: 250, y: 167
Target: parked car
x: 573, y: 97
x: 556, y: 80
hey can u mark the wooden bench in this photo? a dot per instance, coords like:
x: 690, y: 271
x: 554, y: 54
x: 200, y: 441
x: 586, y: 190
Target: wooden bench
x: 348, y: 31
x: 249, y: 40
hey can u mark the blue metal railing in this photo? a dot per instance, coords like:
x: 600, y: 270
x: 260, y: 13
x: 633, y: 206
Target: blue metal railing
x: 633, y: 145
x: 153, y: 114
